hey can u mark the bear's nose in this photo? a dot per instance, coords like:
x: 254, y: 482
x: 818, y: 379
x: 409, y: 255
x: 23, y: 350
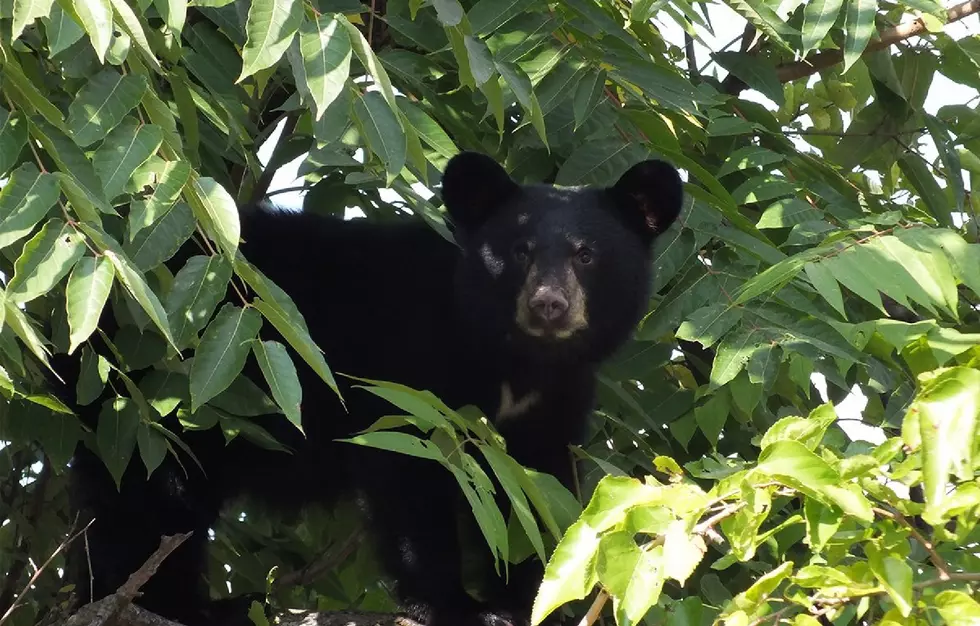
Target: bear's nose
x: 548, y: 304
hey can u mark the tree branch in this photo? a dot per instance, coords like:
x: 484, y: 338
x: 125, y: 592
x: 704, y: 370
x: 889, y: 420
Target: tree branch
x: 822, y: 60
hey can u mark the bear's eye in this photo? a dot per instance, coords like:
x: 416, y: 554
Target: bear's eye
x: 522, y: 251
x: 584, y: 256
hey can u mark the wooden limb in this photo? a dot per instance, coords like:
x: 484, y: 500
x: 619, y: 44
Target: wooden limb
x: 822, y: 60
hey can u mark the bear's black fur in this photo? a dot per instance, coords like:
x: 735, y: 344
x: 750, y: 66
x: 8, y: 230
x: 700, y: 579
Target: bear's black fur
x: 544, y: 285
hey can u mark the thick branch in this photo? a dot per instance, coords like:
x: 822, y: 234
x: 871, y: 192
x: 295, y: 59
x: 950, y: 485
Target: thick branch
x: 821, y: 60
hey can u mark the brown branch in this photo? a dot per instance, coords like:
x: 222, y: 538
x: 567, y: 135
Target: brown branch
x: 330, y: 559
x: 40, y: 570
x: 108, y: 609
x: 827, y: 58
x: 25, y: 540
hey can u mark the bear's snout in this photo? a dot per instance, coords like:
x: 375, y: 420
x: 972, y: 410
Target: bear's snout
x: 549, y: 305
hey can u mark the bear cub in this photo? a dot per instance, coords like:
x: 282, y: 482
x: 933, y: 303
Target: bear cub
x: 542, y: 285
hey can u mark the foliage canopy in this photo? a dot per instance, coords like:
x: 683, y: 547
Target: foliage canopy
x: 829, y: 229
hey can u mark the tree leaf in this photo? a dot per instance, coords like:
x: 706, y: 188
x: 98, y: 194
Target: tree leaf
x: 127, y: 147
x: 62, y: 30
x: 25, y: 12
x: 152, y: 446
x: 46, y: 259
x: 115, y: 435
x: 216, y: 209
x: 13, y: 138
x: 487, y: 16
x: 280, y: 374
x: 588, y: 94
x: 859, y: 25
x: 173, y: 177
x: 384, y: 133
x: 509, y: 476
x: 949, y: 157
x: 270, y: 28
x: 957, y: 608
x: 173, y: 12
x: 154, y: 245
x: 130, y: 24
x: 102, y: 104
x: 86, y: 294
x: 947, y: 410
x: 570, y: 573
x: 197, y: 289
x: 25, y: 199
x: 130, y: 277
x: 326, y: 54
x: 427, y: 128
x: 481, y: 60
x: 222, y: 352
x: 96, y: 18
x: 922, y: 181
x: 754, y: 71
x: 79, y: 182
x: 370, y: 61
x: 92, y: 377
x: 818, y: 18
x: 824, y: 282
x: 449, y: 12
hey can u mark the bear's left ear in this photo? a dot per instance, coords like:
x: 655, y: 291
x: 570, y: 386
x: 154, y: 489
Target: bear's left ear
x: 473, y: 187
x: 650, y: 195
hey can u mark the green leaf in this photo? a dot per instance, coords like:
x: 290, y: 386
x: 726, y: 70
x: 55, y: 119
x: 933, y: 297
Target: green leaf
x: 79, y: 182
x: 383, y: 131
x: 326, y: 52
x: 826, y: 285
x: 92, y: 377
x: 481, y: 60
x: 449, y: 12
x: 588, y: 93
x: 822, y: 523
x: 216, y: 209
x: 399, y: 442
x: 86, y: 295
x: 509, y: 475
x: 152, y: 446
x: 115, y: 435
x: 428, y: 129
x: 24, y: 201
x: 127, y: 147
x: 764, y: 17
x: 947, y: 409
x: 895, y: 575
x: 103, y: 103
x: 130, y: 277
x: 712, y: 415
x: 949, y: 157
x: 221, y: 355
x: 154, y: 245
x: 487, y: 16
x: 368, y: 59
x: 130, y: 24
x: 25, y: 12
x: 957, y: 608
x: 924, y: 183
x: 859, y: 25
x: 173, y: 12
x: 709, y: 324
x: 62, y: 30
x: 13, y: 138
x: 280, y: 374
x: 733, y: 353
x: 818, y: 18
x: 787, y: 212
x: 754, y: 71
x: 599, y: 163
x: 279, y: 309
x: 46, y: 259
x: 570, y: 573
x: 173, y: 177
x: 96, y: 18
x: 749, y: 157
x: 270, y: 28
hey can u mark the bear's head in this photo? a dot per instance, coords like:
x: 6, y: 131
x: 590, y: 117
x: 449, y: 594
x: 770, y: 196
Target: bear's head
x: 556, y: 273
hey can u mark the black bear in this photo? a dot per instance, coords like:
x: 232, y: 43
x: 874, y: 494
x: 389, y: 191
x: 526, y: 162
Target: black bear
x: 543, y: 285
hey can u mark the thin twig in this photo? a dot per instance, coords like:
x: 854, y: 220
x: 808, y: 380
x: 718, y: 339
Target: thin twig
x: 937, y: 561
x: 887, y: 37
x: 30, y: 583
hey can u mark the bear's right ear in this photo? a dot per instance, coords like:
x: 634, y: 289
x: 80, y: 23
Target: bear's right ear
x: 650, y: 195
x: 473, y: 187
